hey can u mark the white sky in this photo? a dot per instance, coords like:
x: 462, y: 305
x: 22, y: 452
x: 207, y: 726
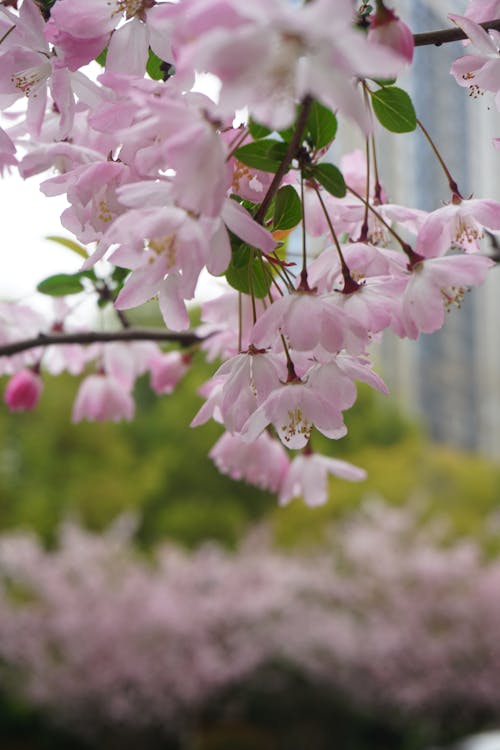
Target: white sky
x: 26, y: 217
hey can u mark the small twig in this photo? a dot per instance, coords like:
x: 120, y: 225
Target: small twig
x: 92, y: 337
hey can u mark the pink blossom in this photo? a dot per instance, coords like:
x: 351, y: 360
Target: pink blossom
x: 480, y: 71
x: 459, y: 224
x: 23, y: 391
x: 249, y: 379
x: 263, y: 462
x: 128, y: 47
x: 309, y: 320
x: 7, y: 151
x: 284, y: 53
x: 222, y: 317
x: 19, y: 322
x: 307, y: 477
x: 28, y: 66
x: 102, y: 398
x: 435, y: 286
x: 293, y: 410
x: 483, y: 10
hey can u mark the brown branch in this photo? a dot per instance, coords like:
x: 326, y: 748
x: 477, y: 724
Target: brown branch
x: 443, y: 36
x: 92, y: 337
x: 292, y: 149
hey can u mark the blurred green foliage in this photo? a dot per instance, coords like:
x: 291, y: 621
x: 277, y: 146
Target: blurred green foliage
x: 158, y: 468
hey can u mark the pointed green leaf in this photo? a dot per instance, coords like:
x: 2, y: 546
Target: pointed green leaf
x: 287, y: 133
x: 257, y: 130
x: 287, y: 208
x: 246, y: 272
x: 61, y: 284
x: 330, y: 177
x: 321, y: 125
x: 101, y: 57
x: 70, y: 244
x: 394, y: 109
x: 265, y: 154
x: 153, y: 67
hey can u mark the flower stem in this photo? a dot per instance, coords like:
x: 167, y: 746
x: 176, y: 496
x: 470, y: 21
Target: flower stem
x: 451, y: 182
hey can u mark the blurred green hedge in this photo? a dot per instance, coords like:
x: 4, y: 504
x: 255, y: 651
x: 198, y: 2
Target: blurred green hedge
x: 157, y: 467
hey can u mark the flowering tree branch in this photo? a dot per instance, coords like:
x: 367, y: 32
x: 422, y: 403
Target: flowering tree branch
x: 92, y: 337
x: 151, y: 173
x: 443, y: 36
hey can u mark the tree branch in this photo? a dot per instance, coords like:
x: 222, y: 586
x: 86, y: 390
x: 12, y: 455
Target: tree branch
x: 92, y: 337
x: 293, y: 146
x: 443, y: 36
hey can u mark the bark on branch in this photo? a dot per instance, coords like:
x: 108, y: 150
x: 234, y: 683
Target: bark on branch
x: 92, y: 337
x: 443, y: 36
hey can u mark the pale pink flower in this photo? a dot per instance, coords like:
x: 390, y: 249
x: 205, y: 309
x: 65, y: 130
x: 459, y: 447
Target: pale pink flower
x: 283, y: 53
x: 222, y: 318
x: 73, y: 52
x: 247, y: 182
x: 7, y: 151
x: 480, y: 71
x: 23, y: 390
x: 146, y: 26
x: 308, y: 320
x: 307, y: 477
x: 101, y: 398
x: 155, y: 242
x: 459, y: 224
x: 483, y: 10
x: 435, y: 286
x: 126, y: 361
x: 166, y: 370
x: 294, y: 409
x: 19, y: 322
x: 29, y: 66
x: 92, y: 193
x: 249, y: 379
x: 263, y: 462
x: 239, y: 386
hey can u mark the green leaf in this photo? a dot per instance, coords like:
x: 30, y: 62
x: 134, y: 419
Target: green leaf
x: 321, y: 125
x: 246, y: 272
x: 120, y: 274
x: 266, y: 154
x: 385, y: 81
x: 61, y: 284
x: 153, y: 67
x: 287, y: 133
x: 287, y: 208
x: 394, y: 109
x: 70, y: 244
x: 101, y: 58
x: 330, y: 177
x: 257, y: 130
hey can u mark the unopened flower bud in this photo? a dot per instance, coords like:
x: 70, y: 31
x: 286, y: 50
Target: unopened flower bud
x: 23, y: 390
x: 386, y: 28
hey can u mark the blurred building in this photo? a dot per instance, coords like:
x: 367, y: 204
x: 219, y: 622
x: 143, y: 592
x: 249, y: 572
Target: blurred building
x: 451, y: 379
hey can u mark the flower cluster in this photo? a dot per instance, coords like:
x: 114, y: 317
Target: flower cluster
x: 386, y: 616
x: 163, y: 183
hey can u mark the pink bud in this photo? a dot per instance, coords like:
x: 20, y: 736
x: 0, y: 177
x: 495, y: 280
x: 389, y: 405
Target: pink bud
x: 23, y: 391
x: 386, y: 28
